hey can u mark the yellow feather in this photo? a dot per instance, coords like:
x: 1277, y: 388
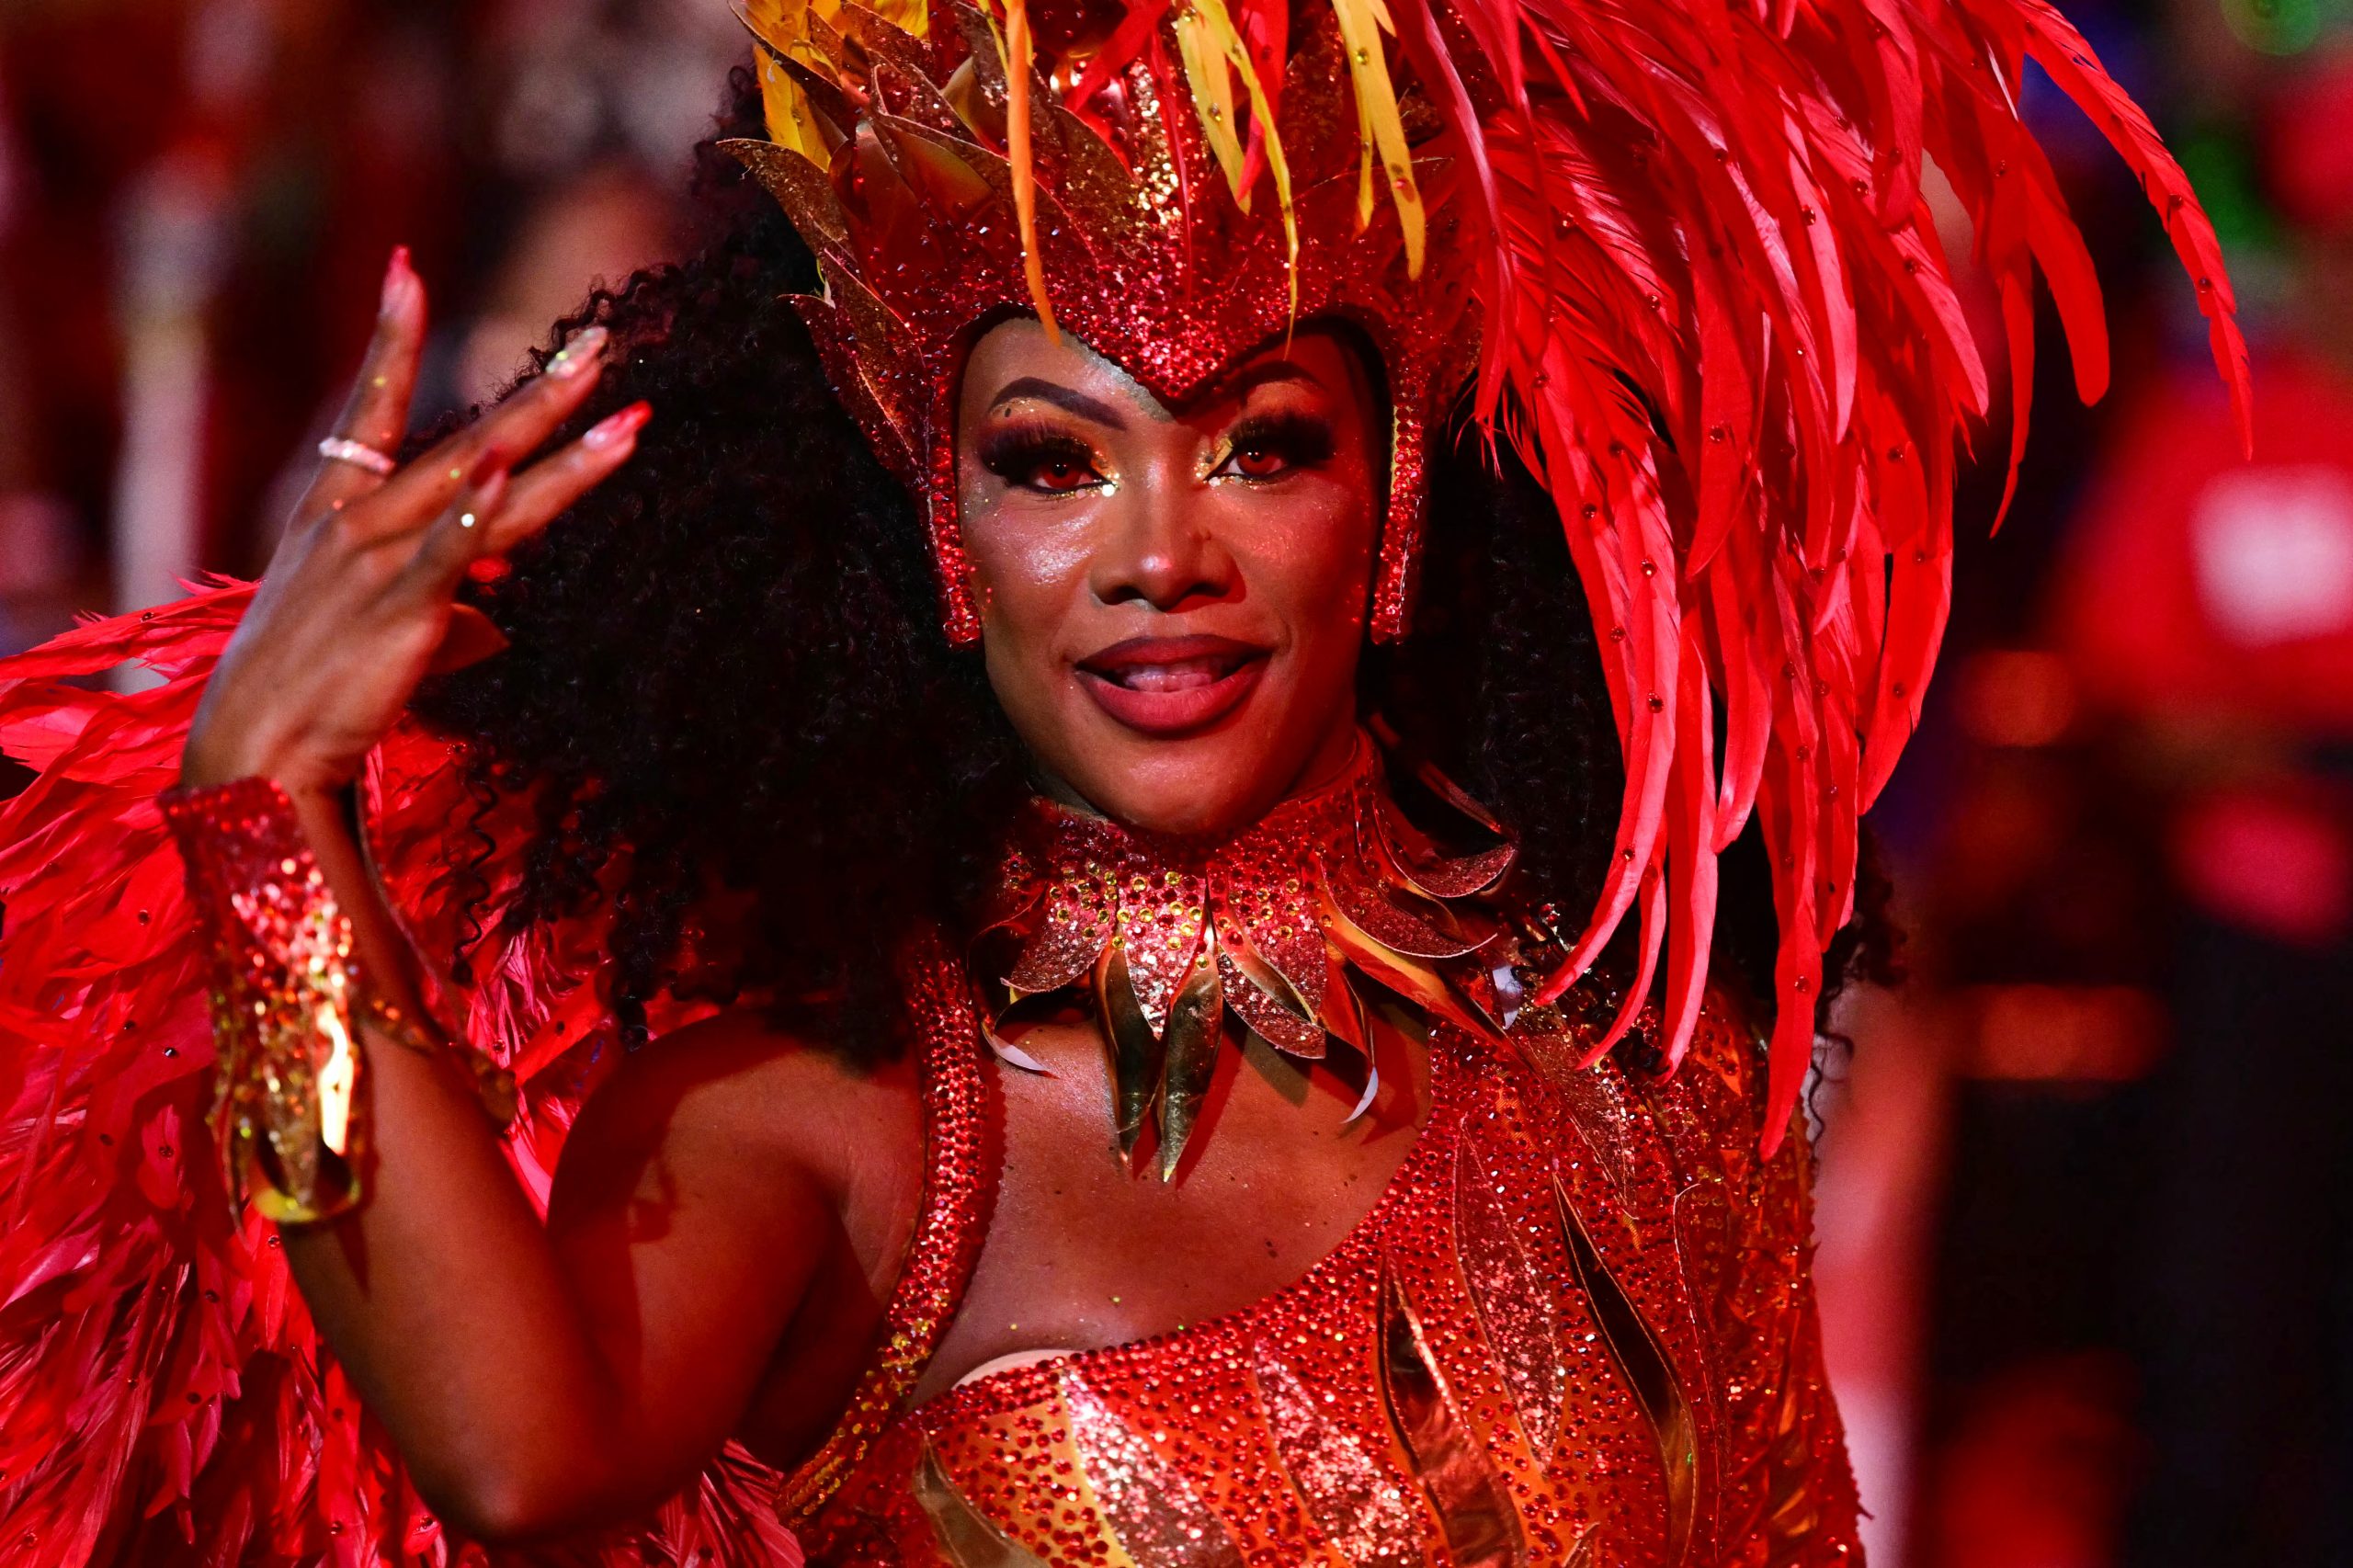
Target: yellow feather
x: 787, y: 108
x: 776, y: 23
x: 1213, y: 86
x: 1207, y: 23
x: 907, y: 15
x: 1362, y: 24
x: 783, y: 26
x: 1364, y: 163
x: 1020, y: 56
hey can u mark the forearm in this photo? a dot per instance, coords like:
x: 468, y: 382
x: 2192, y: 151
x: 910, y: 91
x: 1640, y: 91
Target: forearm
x: 443, y: 1299
x: 441, y: 1294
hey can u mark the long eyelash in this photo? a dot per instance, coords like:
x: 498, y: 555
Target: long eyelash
x: 1304, y: 438
x: 1017, y: 448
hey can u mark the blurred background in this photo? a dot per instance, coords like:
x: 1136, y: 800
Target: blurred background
x: 2087, y: 1195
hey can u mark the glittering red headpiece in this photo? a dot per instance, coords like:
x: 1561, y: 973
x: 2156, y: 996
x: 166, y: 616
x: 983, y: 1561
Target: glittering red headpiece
x: 1685, y: 246
x: 895, y: 156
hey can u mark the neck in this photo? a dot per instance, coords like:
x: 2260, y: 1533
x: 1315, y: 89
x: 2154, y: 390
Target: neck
x: 1335, y: 756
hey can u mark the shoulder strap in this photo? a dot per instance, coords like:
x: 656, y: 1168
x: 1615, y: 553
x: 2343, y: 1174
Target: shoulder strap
x: 960, y: 1167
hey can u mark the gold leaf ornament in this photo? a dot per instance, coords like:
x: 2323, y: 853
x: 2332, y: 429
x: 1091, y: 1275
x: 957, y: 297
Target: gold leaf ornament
x: 1473, y: 1507
x: 966, y: 1536
x: 1643, y: 1363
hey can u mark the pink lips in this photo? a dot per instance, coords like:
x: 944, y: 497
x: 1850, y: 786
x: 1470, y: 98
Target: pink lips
x: 1166, y: 686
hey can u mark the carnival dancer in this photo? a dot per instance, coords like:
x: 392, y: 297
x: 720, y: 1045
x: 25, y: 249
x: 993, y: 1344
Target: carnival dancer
x: 1044, y: 892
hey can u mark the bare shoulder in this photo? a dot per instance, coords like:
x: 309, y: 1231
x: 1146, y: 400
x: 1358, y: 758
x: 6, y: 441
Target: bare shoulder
x: 732, y: 1208
x: 741, y: 1102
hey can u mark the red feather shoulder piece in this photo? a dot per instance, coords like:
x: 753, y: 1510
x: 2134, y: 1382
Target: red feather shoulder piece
x: 164, y: 1397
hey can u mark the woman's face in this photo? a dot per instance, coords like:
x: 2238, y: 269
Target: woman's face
x: 1171, y: 600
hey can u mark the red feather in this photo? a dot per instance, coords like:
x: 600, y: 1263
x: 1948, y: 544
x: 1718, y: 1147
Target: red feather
x: 2063, y: 52
x: 157, y: 1370
x: 1691, y: 853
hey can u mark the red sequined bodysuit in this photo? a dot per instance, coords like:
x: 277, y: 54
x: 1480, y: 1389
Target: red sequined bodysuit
x: 1576, y: 1328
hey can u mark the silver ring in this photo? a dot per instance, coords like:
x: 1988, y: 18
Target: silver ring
x: 359, y: 454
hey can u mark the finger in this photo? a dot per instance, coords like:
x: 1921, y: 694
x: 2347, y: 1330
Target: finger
x: 508, y: 433
x: 456, y: 536
x: 542, y: 492
x: 376, y: 414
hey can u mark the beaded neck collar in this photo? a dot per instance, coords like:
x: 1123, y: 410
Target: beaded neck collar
x: 1279, y: 931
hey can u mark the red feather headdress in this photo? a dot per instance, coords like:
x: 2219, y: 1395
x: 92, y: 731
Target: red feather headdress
x: 1681, y: 254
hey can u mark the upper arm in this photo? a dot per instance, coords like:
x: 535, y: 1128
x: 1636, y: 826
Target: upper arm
x: 689, y: 1232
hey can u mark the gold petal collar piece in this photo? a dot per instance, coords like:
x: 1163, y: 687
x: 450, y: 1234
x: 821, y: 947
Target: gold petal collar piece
x: 1277, y: 931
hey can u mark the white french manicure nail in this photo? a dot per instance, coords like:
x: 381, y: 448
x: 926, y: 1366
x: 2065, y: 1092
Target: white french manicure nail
x: 397, y: 280
x: 577, y: 354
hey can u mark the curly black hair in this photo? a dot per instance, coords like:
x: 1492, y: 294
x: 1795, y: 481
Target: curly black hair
x: 727, y: 669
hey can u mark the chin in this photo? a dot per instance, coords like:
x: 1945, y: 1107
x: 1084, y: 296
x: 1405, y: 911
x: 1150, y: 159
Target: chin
x: 1206, y: 785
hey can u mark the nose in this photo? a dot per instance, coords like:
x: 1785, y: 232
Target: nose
x: 1159, y: 547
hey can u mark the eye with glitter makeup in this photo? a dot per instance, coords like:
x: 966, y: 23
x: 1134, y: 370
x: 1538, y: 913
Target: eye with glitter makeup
x: 1031, y: 454
x: 1275, y: 444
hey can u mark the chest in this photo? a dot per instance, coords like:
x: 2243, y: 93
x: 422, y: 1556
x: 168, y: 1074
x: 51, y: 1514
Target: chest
x: 1500, y: 1362
x: 1081, y: 1251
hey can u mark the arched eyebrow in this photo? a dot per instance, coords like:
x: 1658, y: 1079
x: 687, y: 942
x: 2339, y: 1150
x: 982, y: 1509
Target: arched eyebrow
x: 1071, y: 401
x: 1255, y: 376
x: 1067, y: 399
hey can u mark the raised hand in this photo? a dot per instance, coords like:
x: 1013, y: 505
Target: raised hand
x: 359, y: 598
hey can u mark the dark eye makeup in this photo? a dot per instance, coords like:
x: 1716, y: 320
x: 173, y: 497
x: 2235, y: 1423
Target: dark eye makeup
x: 1271, y: 444
x: 1035, y: 455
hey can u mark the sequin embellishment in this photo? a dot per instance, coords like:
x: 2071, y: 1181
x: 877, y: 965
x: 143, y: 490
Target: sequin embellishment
x: 1516, y: 1309
x: 1157, y: 1515
x: 958, y: 1178
x: 289, y: 1113
x: 1369, y: 1415
x: 1354, y: 1499
x: 1646, y: 1367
